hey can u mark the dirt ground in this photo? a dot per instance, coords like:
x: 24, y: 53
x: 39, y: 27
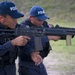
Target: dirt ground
x: 56, y: 64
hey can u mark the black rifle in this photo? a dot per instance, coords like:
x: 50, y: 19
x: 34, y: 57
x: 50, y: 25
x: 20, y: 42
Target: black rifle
x: 32, y: 32
x: 63, y: 32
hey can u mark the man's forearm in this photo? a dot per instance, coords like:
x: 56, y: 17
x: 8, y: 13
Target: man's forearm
x: 6, y: 47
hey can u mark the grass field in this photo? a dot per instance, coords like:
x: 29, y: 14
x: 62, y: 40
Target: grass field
x: 61, y: 60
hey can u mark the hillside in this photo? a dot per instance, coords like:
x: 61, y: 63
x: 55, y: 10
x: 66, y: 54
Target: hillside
x: 57, y: 10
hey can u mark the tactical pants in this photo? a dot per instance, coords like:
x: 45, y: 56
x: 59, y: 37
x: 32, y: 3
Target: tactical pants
x: 37, y: 70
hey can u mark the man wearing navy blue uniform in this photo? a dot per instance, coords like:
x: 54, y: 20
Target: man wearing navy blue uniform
x: 9, y: 46
x: 29, y: 65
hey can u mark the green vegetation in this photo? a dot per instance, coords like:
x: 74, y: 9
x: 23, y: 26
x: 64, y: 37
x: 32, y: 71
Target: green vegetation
x: 63, y: 56
x: 57, y: 10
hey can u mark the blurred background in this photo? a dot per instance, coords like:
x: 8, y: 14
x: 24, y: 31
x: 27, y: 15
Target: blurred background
x: 61, y: 60
x: 57, y: 10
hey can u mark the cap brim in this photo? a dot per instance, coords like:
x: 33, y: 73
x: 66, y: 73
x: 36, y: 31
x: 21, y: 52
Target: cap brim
x: 16, y: 15
x: 43, y: 17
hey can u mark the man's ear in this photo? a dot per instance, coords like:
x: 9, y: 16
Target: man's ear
x: 1, y: 19
x: 31, y: 18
